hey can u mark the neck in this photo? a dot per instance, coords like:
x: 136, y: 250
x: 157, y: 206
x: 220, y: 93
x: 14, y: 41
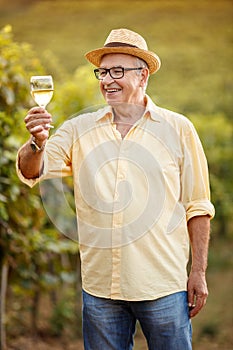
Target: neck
x: 131, y: 112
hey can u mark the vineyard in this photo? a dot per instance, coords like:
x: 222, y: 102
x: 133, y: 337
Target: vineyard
x: 39, y: 260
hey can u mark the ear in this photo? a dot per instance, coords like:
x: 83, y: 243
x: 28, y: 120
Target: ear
x: 144, y: 77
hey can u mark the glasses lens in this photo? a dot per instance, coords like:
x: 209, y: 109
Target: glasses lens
x: 100, y: 73
x: 117, y: 72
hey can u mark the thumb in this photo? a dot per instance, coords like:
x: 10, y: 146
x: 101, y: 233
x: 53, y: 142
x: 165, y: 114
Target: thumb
x: 191, y: 296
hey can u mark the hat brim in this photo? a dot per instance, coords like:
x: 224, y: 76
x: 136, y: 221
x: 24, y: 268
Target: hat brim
x: 149, y: 57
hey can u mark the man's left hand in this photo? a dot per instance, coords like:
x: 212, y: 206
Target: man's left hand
x: 197, y: 292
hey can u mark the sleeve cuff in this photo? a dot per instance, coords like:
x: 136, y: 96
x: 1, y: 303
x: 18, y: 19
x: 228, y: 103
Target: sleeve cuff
x: 29, y: 182
x: 199, y: 208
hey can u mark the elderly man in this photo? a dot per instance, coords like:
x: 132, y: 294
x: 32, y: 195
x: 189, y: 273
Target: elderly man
x: 142, y: 194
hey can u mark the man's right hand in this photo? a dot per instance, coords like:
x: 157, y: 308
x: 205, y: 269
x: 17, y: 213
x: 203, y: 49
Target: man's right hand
x: 37, y: 121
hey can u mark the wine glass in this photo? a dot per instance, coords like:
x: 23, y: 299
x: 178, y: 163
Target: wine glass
x: 42, y: 90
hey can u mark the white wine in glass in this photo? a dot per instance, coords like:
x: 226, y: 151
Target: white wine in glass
x: 42, y: 90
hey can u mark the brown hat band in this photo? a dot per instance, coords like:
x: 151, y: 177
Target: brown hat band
x: 118, y: 44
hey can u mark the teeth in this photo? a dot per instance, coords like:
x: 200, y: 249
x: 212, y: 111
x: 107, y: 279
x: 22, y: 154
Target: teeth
x: 112, y: 90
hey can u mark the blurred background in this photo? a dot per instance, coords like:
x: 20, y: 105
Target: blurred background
x: 40, y: 269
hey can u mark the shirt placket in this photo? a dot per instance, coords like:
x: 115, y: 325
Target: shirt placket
x: 117, y: 225
x: 118, y: 215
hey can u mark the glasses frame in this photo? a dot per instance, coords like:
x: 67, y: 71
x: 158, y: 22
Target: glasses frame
x: 108, y: 70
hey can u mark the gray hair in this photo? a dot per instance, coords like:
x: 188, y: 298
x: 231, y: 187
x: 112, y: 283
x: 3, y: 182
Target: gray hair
x: 141, y: 63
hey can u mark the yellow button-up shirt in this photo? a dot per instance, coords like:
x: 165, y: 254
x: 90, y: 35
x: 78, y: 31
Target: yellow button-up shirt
x: 133, y: 199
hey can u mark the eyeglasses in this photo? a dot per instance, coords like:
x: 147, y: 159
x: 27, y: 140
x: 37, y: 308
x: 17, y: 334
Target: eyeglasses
x: 114, y: 72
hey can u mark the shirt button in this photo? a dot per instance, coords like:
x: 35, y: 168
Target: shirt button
x: 121, y: 176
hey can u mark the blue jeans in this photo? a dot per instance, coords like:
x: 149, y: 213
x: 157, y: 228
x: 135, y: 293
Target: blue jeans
x: 110, y: 324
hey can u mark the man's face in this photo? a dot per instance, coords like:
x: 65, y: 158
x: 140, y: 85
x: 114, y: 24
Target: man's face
x: 129, y: 88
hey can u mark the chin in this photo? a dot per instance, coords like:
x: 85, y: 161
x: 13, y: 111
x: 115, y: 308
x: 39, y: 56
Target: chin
x: 113, y: 102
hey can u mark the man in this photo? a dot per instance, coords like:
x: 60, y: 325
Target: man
x: 141, y: 192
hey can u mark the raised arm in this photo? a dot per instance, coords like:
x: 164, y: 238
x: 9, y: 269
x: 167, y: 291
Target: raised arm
x: 31, y: 154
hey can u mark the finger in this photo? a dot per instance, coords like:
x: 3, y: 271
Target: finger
x: 190, y: 298
x: 36, y: 109
x: 34, y: 116
x: 35, y: 120
x: 199, y: 304
x: 38, y: 129
x: 42, y: 122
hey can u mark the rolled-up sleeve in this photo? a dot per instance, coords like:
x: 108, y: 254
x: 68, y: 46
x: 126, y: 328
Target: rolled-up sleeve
x: 195, y: 190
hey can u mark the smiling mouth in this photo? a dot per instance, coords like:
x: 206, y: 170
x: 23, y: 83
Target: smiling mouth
x: 110, y: 91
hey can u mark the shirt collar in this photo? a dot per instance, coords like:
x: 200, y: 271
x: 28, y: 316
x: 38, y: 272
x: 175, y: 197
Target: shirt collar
x: 103, y: 113
x: 151, y: 109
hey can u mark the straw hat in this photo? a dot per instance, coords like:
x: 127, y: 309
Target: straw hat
x: 127, y: 42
